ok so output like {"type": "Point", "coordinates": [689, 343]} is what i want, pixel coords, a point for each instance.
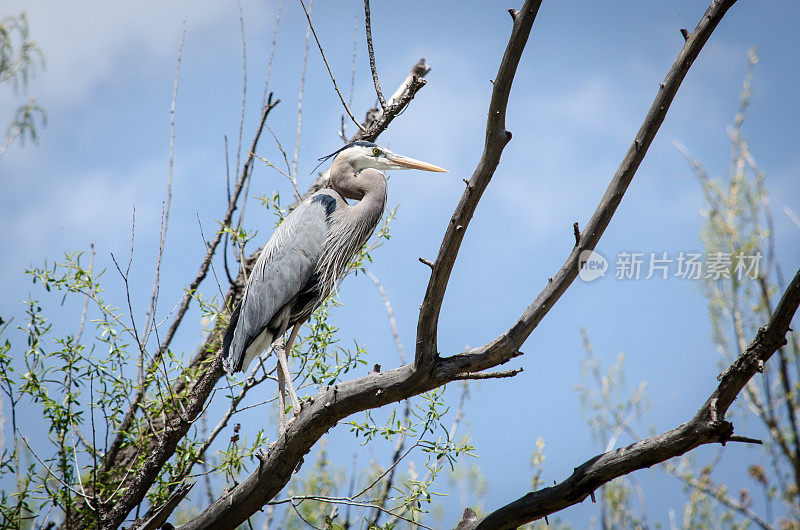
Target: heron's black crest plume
{"type": "Point", "coordinates": [325, 158]}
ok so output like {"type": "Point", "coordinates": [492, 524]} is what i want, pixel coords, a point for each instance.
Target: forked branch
{"type": "Point", "coordinates": [506, 345]}
{"type": "Point", "coordinates": [334, 403]}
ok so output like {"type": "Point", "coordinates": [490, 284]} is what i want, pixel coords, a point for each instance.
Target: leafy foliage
{"type": "Point", "coordinates": [20, 57]}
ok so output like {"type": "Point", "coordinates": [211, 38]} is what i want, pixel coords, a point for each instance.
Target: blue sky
{"type": "Point", "coordinates": [586, 80]}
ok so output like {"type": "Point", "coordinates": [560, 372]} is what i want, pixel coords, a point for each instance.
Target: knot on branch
{"type": "Point", "coordinates": [724, 430]}
{"type": "Point", "coordinates": [470, 518]}
{"type": "Point", "coordinates": [421, 68]}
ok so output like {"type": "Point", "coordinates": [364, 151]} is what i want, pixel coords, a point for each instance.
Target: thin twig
{"type": "Point", "coordinates": [271, 54]}
{"type": "Point", "coordinates": [205, 244]}
{"type": "Point", "coordinates": [50, 471]}
{"type": "Point", "coordinates": [244, 85]}
{"type": "Point", "coordinates": [322, 53]}
{"type": "Point", "coordinates": [389, 315]}
{"type": "Point", "coordinates": [88, 297]}
{"type": "Point", "coordinates": [371, 51]}
{"type": "Point", "coordinates": [276, 168]}
{"type": "Point", "coordinates": [351, 489]}
{"type": "Point", "coordinates": [151, 312]}
{"type": "Point", "coordinates": [300, 96]}
{"type": "Point", "coordinates": [340, 500]}
{"type": "Point", "coordinates": [353, 63]}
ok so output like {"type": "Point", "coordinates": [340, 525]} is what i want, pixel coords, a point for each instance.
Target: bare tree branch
{"type": "Point", "coordinates": [496, 139]}
{"type": "Point", "coordinates": [272, 54]}
{"type": "Point", "coordinates": [706, 427]}
{"type": "Point", "coordinates": [401, 353]}
{"type": "Point", "coordinates": [502, 348]}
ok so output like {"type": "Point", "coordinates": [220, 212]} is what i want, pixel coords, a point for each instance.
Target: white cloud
{"type": "Point", "coordinates": [71, 212]}
{"type": "Point", "coordinates": [86, 42]}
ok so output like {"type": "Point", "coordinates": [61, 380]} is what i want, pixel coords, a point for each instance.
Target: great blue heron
{"type": "Point", "coordinates": [306, 257]}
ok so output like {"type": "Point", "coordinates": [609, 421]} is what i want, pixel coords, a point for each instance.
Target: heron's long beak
{"type": "Point", "coordinates": [403, 162]}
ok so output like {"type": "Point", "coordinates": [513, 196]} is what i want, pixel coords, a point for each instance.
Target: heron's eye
{"type": "Point", "coordinates": [376, 151]}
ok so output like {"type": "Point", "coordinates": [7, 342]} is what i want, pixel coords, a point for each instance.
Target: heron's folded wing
{"type": "Point", "coordinates": [282, 270]}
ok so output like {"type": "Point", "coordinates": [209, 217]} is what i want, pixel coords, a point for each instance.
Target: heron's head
{"type": "Point", "coordinates": [362, 155]}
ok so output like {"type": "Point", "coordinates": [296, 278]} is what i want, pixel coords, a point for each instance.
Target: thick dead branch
{"type": "Point", "coordinates": [496, 139]}
{"type": "Point", "coordinates": [706, 427]}
{"type": "Point", "coordinates": [502, 348]}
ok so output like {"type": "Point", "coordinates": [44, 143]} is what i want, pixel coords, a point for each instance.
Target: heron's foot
{"type": "Point", "coordinates": [296, 405]}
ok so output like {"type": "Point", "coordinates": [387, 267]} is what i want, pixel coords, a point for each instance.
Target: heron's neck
{"type": "Point", "coordinates": [351, 226]}
{"type": "Point", "coordinates": [366, 185]}
{"type": "Point", "coordinates": [370, 208]}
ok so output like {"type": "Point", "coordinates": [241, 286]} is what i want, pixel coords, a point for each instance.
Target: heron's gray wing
{"type": "Point", "coordinates": [282, 270]}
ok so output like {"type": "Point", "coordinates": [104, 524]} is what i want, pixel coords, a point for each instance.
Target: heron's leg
{"type": "Point", "coordinates": [281, 402]}
{"type": "Point", "coordinates": [282, 376]}
{"type": "Point", "coordinates": [287, 348]}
